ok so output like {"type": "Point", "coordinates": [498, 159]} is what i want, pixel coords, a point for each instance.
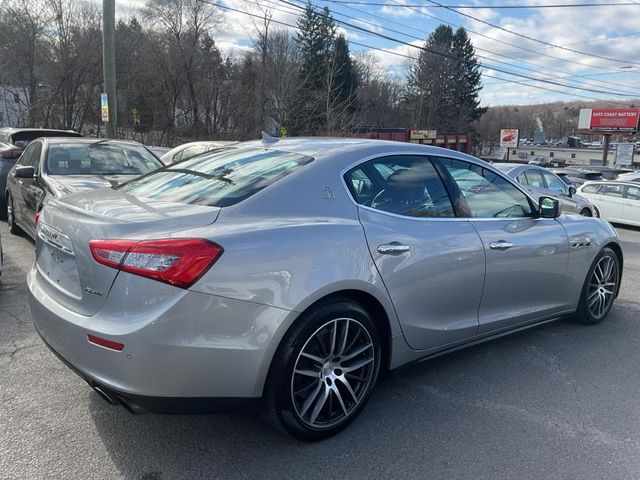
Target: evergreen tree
{"type": "Point", "coordinates": [315, 39]}
{"type": "Point", "coordinates": [346, 76]}
{"type": "Point", "coordinates": [467, 84]}
{"type": "Point", "coordinates": [444, 83]}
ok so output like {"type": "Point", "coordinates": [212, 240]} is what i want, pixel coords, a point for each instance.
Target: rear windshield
{"type": "Point", "coordinates": [218, 179]}
{"type": "Point", "coordinates": [100, 158]}
{"type": "Point", "coordinates": [22, 139]}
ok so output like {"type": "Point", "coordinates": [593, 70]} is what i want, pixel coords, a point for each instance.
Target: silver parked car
{"type": "Point", "coordinates": [541, 181]}
{"type": "Point", "coordinates": [295, 272]}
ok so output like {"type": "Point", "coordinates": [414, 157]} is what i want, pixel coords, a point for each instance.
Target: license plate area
{"type": "Point", "coordinates": [57, 262]}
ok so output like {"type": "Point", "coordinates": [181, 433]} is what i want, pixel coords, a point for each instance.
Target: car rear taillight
{"type": "Point", "coordinates": [178, 262]}
{"type": "Point", "coordinates": [36, 217]}
{"type": "Point", "coordinates": [11, 154]}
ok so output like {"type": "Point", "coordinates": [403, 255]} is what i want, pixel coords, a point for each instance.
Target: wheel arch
{"type": "Point", "coordinates": [381, 312]}
{"type": "Point", "coordinates": [618, 251]}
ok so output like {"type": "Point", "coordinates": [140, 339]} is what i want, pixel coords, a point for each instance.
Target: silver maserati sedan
{"type": "Point", "coordinates": [293, 273]}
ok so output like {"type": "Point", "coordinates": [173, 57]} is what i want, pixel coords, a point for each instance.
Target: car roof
{"type": "Point", "coordinates": [613, 182]}
{"type": "Point", "coordinates": [325, 147]}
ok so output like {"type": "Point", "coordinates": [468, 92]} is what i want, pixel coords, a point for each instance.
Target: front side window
{"type": "Point", "coordinates": [613, 190]}
{"type": "Point", "coordinates": [534, 179]}
{"type": "Point", "coordinates": [27, 155]}
{"type": "Point", "coordinates": [554, 183]}
{"type": "Point", "coordinates": [633, 193]}
{"type": "Point", "coordinates": [404, 185]}
{"type": "Point", "coordinates": [487, 194]}
{"type": "Point", "coordinates": [219, 179]}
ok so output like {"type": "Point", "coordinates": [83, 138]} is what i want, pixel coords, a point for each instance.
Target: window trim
{"type": "Point", "coordinates": [438, 156]}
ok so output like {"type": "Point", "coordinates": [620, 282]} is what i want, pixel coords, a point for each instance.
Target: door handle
{"type": "Point", "coordinates": [393, 249]}
{"type": "Point", "coordinates": [500, 245]}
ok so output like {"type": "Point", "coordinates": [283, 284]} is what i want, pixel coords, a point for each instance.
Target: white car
{"type": "Point", "coordinates": [618, 202]}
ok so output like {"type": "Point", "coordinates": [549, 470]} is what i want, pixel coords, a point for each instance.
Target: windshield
{"type": "Point", "coordinates": [100, 158]}
{"type": "Point", "coordinates": [218, 179]}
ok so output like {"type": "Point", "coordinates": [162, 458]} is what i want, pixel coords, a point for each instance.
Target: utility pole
{"type": "Point", "coordinates": [605, 153]}
{"type": "Point", "coordinates": [109, 63]}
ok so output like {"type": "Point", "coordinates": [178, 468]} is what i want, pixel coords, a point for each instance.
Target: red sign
{"type": "Point", "coordinates": [614, 119]}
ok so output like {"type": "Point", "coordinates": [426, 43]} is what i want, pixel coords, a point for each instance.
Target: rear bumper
{"type": "Point", "coordinates": [163, 405]}
{"type": "Point", "coordinates": [198, 350]}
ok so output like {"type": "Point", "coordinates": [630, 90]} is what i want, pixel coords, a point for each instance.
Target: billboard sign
{"type": "Point", "coordinates": [624, 153]}
{"type": "Point", "coordinates": [609, 120]}
{"type": "Point", "coordinates": [423, 134]}
{"type": "Point", "coordinates": [509, 137]}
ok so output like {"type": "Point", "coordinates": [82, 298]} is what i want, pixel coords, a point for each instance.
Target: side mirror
{"type": "Point", "coordinates": [548, 207]}
{"type": "Point", "coordinates": [572, 190]}
{"type": "Point", "coordinates": [25, 172]}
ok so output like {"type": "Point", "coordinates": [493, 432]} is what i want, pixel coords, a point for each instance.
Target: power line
{"type": "Point", "coordinates": [532, 39]}
{"type": "Point", "coordinates": [456, 59]}
{"type": "Point", "coordinates": [452, 57]}
{"type": "Point", "coordinates": [495, 7]}
{"type": "Point", "coordinates": [425, 34]}
{"type": "Point", "coordinates": [503, 42]}
{"type": "Point", "coordinates": [613, 102]}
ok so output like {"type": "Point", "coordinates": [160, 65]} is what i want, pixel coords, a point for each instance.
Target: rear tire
{"type": "Point", "coordinates": [11, 214]}
{"type": "Point", "coordinates": [585, 212]}
{"type": "Point", "coordinates": [600, 289]}
{"type": "Point", "coordinates": [324, 371]}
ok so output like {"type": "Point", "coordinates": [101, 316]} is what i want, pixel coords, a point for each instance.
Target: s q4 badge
{"type": "Point", "coordinates": [327, 193]}
{"type": "Point", "coordinates": [93, 291]}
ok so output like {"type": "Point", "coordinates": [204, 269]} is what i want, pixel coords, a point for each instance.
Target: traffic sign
{"type": "Point", "coordinates": [104, 101]}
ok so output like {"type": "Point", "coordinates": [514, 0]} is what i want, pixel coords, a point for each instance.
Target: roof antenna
{"type": "Point", "coordinates": [266, 138]}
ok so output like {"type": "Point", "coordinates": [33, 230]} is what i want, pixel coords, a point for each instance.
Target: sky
{"type": "Point", "coordinates": [594, 48]}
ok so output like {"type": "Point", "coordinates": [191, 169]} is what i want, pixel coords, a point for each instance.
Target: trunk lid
{"type": "Point", "coordinates": [66, 225]}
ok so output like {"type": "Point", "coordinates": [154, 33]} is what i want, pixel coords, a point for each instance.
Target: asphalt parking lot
{"type": "Point", "coordinates": [558, 401]}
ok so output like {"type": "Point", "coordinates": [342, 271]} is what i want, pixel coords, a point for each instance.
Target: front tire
{"type": "Point", "coordinates": [585, 212]}
{"type": "Point", "coordinates": [324, 371]}
{"type": "Point", "coordinates": [600, 288]}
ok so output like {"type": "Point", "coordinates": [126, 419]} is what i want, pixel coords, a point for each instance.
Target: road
{"type": "Point", "coordinates": [558, 401]}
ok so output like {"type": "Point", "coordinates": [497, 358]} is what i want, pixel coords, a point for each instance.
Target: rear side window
{"type": "Point", "coordinates": [219, 179]}
{"type": "Point", "coordinates": [404, 185]}
{"type": "Point", "coordinates": [590, 188]}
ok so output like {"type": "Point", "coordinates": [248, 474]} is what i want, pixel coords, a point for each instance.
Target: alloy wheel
{"type": "Point", "coordinates": [602, 287]}
{"type": "Point", "coordinates": [333, 373]}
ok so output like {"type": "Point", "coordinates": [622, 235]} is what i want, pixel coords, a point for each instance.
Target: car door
{"type": "Point", "coordinates": [17, 184]}
{"type": "Point", "coordinates": [526, 256]}
{"type": "Point", "coordinates": [33, 191]}
{"type": "Point", "coordinates": [610, 201]}
{"type": "Point", "coordinates": [557, 188]}
{"type": "Point", "coordinates": [631, 207]}
{"type": "Point", "coordinates": [431, 262]}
